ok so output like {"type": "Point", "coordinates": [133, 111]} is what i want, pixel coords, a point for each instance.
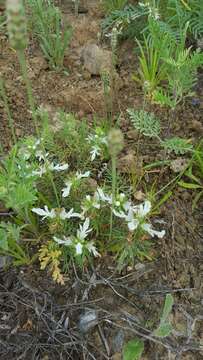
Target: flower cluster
{"type": "Point", "coordinates": [55, 213]}
{"type": "Point", "coordinates": [74, 182]}
{"type": "Point", "coordinates": [79, 243]}
{"type": "Point", "coordinates": [37, 159]}
{"type": "Point", "coordinates": [98, 143]}
{"type": "Point", "coordinates": [153, 11]}
{"type": "Point", "coordinates": [134, 215]}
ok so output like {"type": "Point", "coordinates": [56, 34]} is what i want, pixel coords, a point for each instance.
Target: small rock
{"type": "Point", "coordinates": [179, 164]}
{"type": "Point", "coordinates": [3, 261]}
{"type": "Point", "coordinates": [130, 163]}
{"type": "Point", "coordinates": [18, 132]}
{"type": "Point", "coordinates": [96, 59]}
{"type": "Point", "coordinates": [139, 195]}
{"type": "Point", "coordinates": [196, 126]}
{"type": "Point", "coordinates": [132, 134]}
{"type": "Point", "coordinates": [116, 356]}
{"type": "Point", "coordinates": [118, 341]}
{"type": "Point", "coordinates": [92, 184]}
{"type": "Point", "coordinates": [88, 321]}
{"type": "Point", "coordinates": [38, 63]}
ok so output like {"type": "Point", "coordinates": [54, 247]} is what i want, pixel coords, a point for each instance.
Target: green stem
{"type": "Point", "coordinates": [113, 193]}
{"type": "Point", "coordinates": [22, 61]}
{"type": "Point", "coordinates": [5, 100]}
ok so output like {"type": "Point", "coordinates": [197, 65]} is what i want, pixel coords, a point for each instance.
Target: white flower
{"type": "Point", "coordinates": [152, 232]}
{"type": "Point", "coordinates": [45, 213]}
{"type": "Point", "coordinates": [78, 248]}
{"type": "Point", "coordinates": [67, 215]}
{"type": "Point", "coordinates": [95, 151]}
{"type": "Point", "coordinates": [90, 202]}
{"type": "Point", "coordinates": [79, 175]}
{"type": "Point", "coordinates": [103, 197]}
{"type": "Point", "coordinates": [66, 190]}
{"type": "Point", "coordinates": [41, 171]}
{"type": "Point", "coordinates": [84, 230]}
{"type": "Point", "coordinates": [92, 249]}
{"type": "Point", "coordinates": [58, 167]}
{"type": "Point", "coordinates": [131, 220]}
{"type": "Point", "coordinates": [143, 209]}
{"type": "Point", "coordinates": [40, 155]}
{"type": "Point", "coordinates": [67, 241]}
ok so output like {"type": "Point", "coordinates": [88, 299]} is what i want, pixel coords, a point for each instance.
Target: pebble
{"type": "Point", "coordinates": [88, 320]}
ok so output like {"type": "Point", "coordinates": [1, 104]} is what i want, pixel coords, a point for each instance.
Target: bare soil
{"type": "Point", "coordinates": [40, 320]}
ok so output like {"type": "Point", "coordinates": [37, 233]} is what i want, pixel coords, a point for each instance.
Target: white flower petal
{"type": "Point", "coordinates": [133, 224]}
{"type": "Point", "coordinates": [70, 214]}
{"type": "Point", "coordinates": [79, 175]}
{"type": "Point", "coordinates": [84, 230]}
{"type": "Point", "coordinates": [58, 167]}
{"type": "Point", "coordinates": [66, 190]}
{"type": "Point", "coordinates": [79, 248]}
{"type": "Point", "coordinates": [65, 241]}
{"type": "Point", "coordinates": [44, 212]}
{"type": "Point", "coordinates": [119, 214]}
{"type": "Point", "coordinates": [92, 249]}
{"type": "Point", "coordinates": [144, 208]}
{"type": "Point", "coordinates": [152, 232]}
{"type": "Point", "coordinates": [103, 197]}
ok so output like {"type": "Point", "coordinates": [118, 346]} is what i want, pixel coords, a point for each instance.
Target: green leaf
{"type": "Point", "coordinates": [163, 330]}
{"type": "Point", "coordinates": [3, 240]}
{"type": "Point", "coordinates": [189, 185]}
{"type": "Point", "coordinates": [145, 122]}
{"type": "Point", "coordinates": [163, 200]}
{"type": "Point", "coordinates": [167, 307]}
{"type": "Point", "coordinates": [133, 350]}
{"type": "Point", "coordinates": [178, 145]}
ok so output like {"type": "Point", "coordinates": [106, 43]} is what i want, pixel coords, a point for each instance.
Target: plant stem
{"type": "Point", "coordinates": [22, 61]}
{"type": "Point", "coordinates": [5, 100]}
{"type": "Point", "coordinates": [113, 193]}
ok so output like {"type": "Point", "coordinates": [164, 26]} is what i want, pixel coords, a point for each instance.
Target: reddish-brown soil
{"type": "Point", "coordinates": [39, 320]}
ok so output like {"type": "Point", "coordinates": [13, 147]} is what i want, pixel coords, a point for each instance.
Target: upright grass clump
{"type": "Point", "coordinates": [47, 26]}
{"type": "Point", "coordinates": [17, 31]}
{"type": "Point", "coordinates": [115, 144]}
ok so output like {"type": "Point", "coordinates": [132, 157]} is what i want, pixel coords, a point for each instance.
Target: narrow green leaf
{"type": "Point", "coordinates": [163, 330]}
{"type": "Point", "coordinates": [3, 240]}
{"type": "Point", "coordinates": [189, 185]}
{"type": "Point", "coordinates": [133, 350]}
{"type": "Point", "coordinates": [167, 307]}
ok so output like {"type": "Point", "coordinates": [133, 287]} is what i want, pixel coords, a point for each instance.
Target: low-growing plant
{"type": "Point", "coordinates": [148, 125]}
{"type": "Point", "coordinates": [71, 226]}
{"type": "Point", "coordinates": [194, 175]}
{"type": "Point", "coordinates": [129, 21]}
{"type": "Point", "coordinates": [10, 243]}
{"type": "Point", "coordinates": [134, 349]}
{"type": "Point", "coordinates": [152, 69]}
{"type": "Point", "coordinates": [47, 27]}
{"type": "Point", "coordinates": [112, 5]}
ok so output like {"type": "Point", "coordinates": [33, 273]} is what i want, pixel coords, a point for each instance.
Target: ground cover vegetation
{"type": "Point", "coordinates": [67, 203]}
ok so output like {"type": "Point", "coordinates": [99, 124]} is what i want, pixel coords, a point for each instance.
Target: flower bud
{"type": "Point", "coordinates": [16, 24]}
{"type": "Point", "coordinates": [115, 141]}
{"type": "Point", "coordinates": [114, 38]}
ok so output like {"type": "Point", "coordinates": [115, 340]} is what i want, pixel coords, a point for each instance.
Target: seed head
{"type": "Point", "coordinates": [16, 24]}
{"type": "Point", "coordinates": [115, 141]}
{"type": "Point", "coordinates": [114, 38]}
